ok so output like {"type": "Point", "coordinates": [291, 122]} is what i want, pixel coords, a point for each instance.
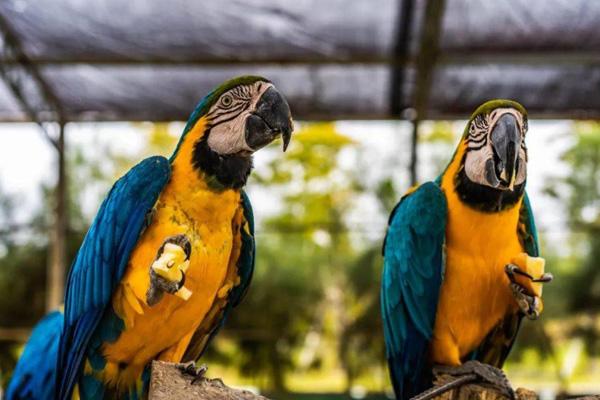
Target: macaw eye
{"type": "Point", "coordinates": [480, 122]}
{"type": "Point", "coordinates": [472, 128]}
{"type": "Point", "coordinates": [226, 101]}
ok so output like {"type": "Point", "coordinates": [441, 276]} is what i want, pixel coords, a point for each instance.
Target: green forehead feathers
{"type": "Point", "coordinates": [491, 105]}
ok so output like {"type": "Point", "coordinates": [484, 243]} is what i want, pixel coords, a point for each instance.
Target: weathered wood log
{"type": "Point", "coordinates": [478, 391]}
{"type": "Point", "coordinates": [167, 382]}
{"type": "Point", "coordinates": [592, 397]}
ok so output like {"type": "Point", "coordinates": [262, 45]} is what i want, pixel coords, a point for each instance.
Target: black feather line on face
{"type": "Point", "coordinates": [228, 171]}
{"type": "Point", "coordinates": [485, 198]}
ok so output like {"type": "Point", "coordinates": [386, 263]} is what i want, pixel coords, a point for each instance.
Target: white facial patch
{"type": "Point", "coordinates": [479, 149]}
{"type": "Point", "coordinates": [495, 115]}
{"type": "Point", "coordinates": [227, 117]}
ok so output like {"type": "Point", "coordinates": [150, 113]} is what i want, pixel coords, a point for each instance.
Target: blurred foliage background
{"type": "Point", "coordinates": [311, 320]}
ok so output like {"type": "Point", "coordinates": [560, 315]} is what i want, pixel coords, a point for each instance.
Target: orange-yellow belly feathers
{"type": "Point", "coordinates": [186, 206]}
{"type": "Point", "coordinates": [475, 292]}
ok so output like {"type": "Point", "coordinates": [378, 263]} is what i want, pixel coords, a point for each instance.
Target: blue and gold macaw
{"type": "Point", "coordinates": [171, 249]}
{"type": "Point", "coordinates": [35, 373]}
{"type": "Point", "coordinates": [460, 256]}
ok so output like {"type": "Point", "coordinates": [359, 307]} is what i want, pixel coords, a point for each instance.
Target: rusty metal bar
{"type": "Point", "coordinates": [57, 261]}
{"type": "Point", "coordinates": [426, 59]}
{"type": "Point", "coordinates": [26, 83]}
{"type": "Point", "coordinates": [40, 104]}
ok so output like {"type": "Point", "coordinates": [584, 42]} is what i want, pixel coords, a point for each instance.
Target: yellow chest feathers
{"type": "Point", "coordinates": [475, 234]}
{"type": "Point", "coordinates": [205, 218]}
{"type": "Point", "coordinates": [475, 293]}
{"type": "Point", "coordinates": [187, 206]}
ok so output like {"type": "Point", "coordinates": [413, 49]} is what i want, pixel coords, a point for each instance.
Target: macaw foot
{"type": "Point", "coordinates": [531, 306]}
{"type": "Point", "coordinates": [529, 303]}
{"type": "Point", "coordinates": [189, 368]}
{"type": "Point", "coordinates": [470, 372]}
{"type": "Point", "coordinates": [512, 270]}
{"type": "Point", "coordinates": [167, 272]}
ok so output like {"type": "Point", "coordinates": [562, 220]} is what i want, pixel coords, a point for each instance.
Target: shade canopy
{"type": "Point", "coordinates": [335, 59]}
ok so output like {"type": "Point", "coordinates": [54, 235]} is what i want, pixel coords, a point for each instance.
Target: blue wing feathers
{"type": "Point", "coordinates": [530, 236]}
{"type": "Point", "coordinates": [35, 373]}
{"type": "Point", "coordinates": [247, 255]}
{"type": "Point", "coordinates": [412, 276]}
{"type": "Point", "coordinates": [102, 260]}
{"type": "Point", "coordinates": [413, 272]}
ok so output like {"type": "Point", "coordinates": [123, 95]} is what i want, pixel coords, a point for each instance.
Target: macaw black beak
{"type": "Point", "coordinates": [506, 141]}
{"type": "Point", "coordinates": [271, 118]}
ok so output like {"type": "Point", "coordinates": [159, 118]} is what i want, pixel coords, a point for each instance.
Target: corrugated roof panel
{"type": "Point", "coordinates": [545, 90]}
{"type": "Point", "coordinates": [151, 92]}
{"type": "Point", "coordinates": [154, 59]}
{"type": "Point", "coordinates": [203, 31]}
{"type": "Point", "coordinates": [520, 26]}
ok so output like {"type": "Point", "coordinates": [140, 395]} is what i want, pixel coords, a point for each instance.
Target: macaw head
{"type": "Point", "coordinates": [233, 121]}
{"type": "Point", "coordinates": [493, 156]}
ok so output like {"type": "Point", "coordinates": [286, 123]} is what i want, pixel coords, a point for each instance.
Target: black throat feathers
{"type": "Point", "coordinates": [485, 198]}
{"type": "Point", "coordinates": [229, 171]}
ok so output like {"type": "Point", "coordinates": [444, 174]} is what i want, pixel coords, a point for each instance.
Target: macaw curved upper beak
{"type": "Point", "coordinates": [506, 142]}
{"type": "Point", "coordinates": [271, 118]}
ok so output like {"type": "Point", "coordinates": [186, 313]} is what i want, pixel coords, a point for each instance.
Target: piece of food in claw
{"type": "Point", "coordinates": [534, 266]}
{"type": "Point", "coordinates": [183, 293]}
{"type": "Point", "coordinates": [172, 265]}
{"type": "Point", "coordinates": [539, 306]}
{"type": "Point", "coordinates": [172, 256]}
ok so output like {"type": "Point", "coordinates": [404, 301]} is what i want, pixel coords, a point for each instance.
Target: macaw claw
{"type": "Point", "coordinates": [512, 269]}
{"type": "Point", "coordinates": [531, 306]}
{"type": "Point", "coordinates": [189, 368]}
{"type": "Point", "coordinates": [167, 272]}
{"type": "Point", "coordinates": [529, 303]}
{"type": "Point", "coordinates": [469, 372]}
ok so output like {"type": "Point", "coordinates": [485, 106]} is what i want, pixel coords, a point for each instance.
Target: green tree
{"type": "Point", "coordinates": [312, 304]}
{"type": "Point", "coordinates": [580, 192]}
{"type": "Point", "coordinates": [301, 249]}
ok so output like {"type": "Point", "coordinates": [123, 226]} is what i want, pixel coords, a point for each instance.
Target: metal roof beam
{"type": "Point", "coordinates": [426, 60]}
{"type": "Point", "coordinates": [33, 93]}
{"type": "Point", "coordinates": [401, 51]}
{"type": "Point", "coordinates": [26, 83]}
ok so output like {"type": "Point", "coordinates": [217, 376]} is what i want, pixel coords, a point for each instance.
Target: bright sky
{"type": "Point", "coordinates": [26, 160]}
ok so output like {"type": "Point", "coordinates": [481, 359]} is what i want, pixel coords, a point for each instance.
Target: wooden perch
{"type": "Point", "coordinates": [478, 391]}
{"type": "Point", "coordinates": [167, 382]}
